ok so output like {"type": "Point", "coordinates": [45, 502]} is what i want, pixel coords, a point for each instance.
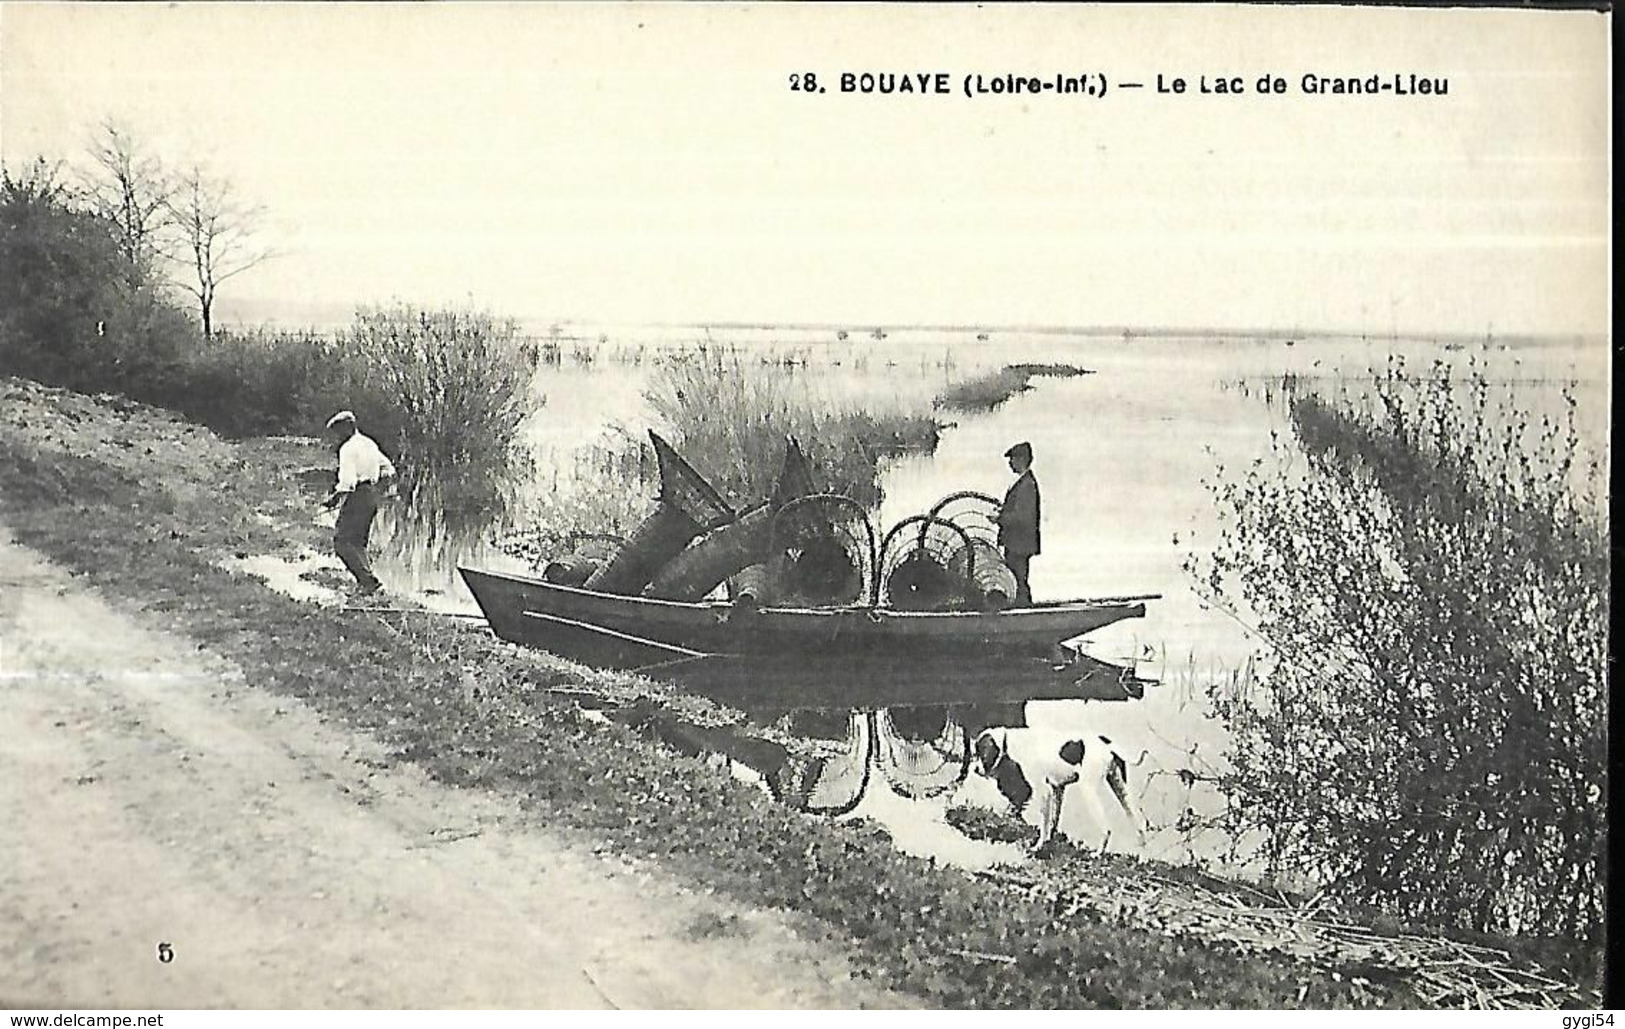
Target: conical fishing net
{"type": "Point", "coordinates": [823, 552]}
{"type": "Point", "coordinates": [975, 513]}
{"type": "Point", "coordinates": [916, 567]}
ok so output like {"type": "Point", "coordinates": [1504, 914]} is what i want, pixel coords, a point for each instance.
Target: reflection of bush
{"type": "Point", "coordinates": [1434, 583]}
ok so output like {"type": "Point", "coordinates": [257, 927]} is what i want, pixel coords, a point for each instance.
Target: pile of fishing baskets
{"type": "Point", "coordinates": [798, 548]}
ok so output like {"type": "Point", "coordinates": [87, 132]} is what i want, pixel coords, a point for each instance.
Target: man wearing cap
{"type": "Point", "coordinates": [362, 469]}
{"type": "Point", "coordinates": [1018, 520]}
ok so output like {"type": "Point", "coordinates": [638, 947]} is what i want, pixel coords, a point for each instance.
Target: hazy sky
{"type": "Point", "coordinates": [651, 163]}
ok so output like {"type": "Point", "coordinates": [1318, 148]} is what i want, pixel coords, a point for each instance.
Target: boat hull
{"type": "Point", "coordinates": [608, 630]}
{"type": "Point", "coordinates": [767, 687]}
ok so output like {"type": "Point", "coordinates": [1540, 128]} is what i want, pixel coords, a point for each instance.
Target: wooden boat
{"type": "Point", "coordinates": [611, 630]}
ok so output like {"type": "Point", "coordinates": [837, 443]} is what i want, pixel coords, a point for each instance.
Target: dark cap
{"type": "Point", "coordinates": [1021, 451]}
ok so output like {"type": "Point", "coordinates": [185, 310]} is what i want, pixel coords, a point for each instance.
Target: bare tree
{"type": "Point", "coordinates": [215, 233]}
{"type": "Point", "coordinates": [132, 190]}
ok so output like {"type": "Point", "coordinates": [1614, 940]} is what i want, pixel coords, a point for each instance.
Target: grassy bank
{"type": "Point", "coordinates": [147, 523]}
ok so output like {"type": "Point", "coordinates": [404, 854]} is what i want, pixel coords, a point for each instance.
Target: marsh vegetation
{"type": "Point", "coordinates": [988, 390]}
{"type": "Point", "coordinates": [1426, 559]}
{"type": "Point", "coordinates": [732, 413]}
{"type": "Point", "coordinates": [728, 410]}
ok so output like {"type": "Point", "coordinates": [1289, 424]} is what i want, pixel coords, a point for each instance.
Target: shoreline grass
{"type": "Point", "coordinates": [469, 709]}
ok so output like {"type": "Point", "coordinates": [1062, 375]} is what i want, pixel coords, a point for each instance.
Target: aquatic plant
{"type": "Point", "coordinates": [1428, 563]}
{"type": "Point", "coordinates": [730, 415]}
{"type": "Point", "coordinates": [603, 487]}
{"type": "Point", "coordinates": [987, 391]}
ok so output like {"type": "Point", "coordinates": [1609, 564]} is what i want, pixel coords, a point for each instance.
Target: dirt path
{"type": "Point", "coordinates": [149, 795]}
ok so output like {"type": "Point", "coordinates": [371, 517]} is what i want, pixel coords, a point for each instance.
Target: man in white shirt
{"type": "Point", "coordinates": [362, 469]}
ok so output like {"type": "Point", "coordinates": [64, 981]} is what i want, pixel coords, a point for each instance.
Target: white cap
{"type": "Point", "coordinates": [342, 416]}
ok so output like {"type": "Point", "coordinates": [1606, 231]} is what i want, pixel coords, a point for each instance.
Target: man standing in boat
{"type": "Point", "coordinates": [1018, 520]}
{"type": "Point", "coordinates": [362, 471]}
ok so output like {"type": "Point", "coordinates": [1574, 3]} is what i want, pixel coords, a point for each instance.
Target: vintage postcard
{"type": "Point", "coordinates": [790, 506]}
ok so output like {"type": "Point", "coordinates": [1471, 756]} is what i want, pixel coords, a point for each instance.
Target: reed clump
{"type": "Point", "coordinates": [1428, 563]}
{"type": "Point", "coordinates": [603, 488]}
{"type": "Point", "coordinates": [730, 415]}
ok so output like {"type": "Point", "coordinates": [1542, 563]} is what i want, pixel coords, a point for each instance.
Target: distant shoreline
{"type": "Point", "coordinates": [573, 330]}
{"type": "Point", "coordinates": [1133, 332]}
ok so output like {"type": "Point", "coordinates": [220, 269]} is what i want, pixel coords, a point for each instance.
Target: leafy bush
{"type": "Point", "coordinates": [447, 391]}
{"type": "Point", "coordinates": [731, 416]}
{"type": "Point", "coordinates": [73, 311]}
{"type": "Point", "coordinates": [1429, 566]}
{"type": "Point", "coordinates": [249, 383]}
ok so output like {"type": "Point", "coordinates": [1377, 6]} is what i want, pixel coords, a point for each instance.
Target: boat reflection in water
{"type": "Point", "coordinates": [895, 743]}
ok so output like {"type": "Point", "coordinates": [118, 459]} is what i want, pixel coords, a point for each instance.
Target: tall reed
{"type": "Point", "coordinates": [730, 415]}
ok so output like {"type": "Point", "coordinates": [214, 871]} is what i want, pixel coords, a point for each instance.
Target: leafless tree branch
{"type": "Point", "coordinates": [132, 190]}
{"type": "Point", "coordinates": [216, 234]}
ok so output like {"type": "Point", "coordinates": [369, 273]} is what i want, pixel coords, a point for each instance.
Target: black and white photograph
{"type": "Point", "coordinates": [644, 506]}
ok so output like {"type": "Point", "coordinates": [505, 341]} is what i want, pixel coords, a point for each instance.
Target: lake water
{"type": "Point", "coordinates": [1121, 456]}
